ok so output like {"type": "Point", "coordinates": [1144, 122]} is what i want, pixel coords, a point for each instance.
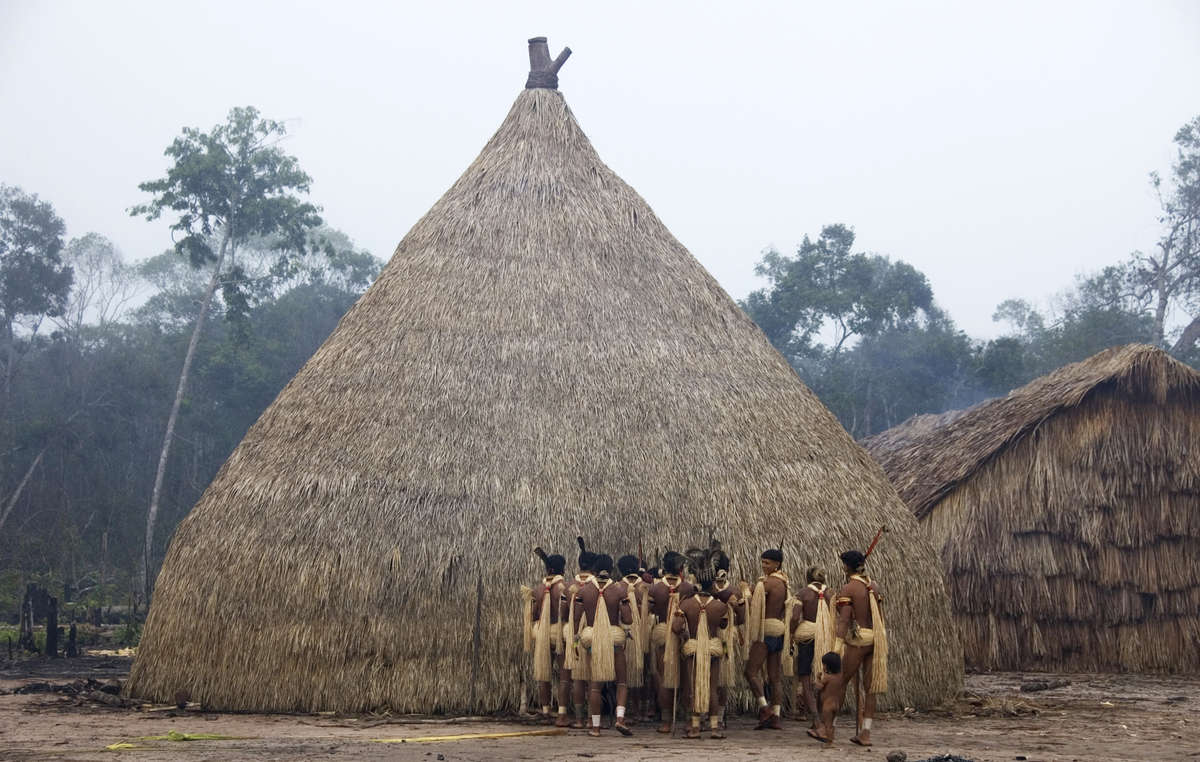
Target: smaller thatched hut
{"type": "Point", "coordinates": [1067, 515]}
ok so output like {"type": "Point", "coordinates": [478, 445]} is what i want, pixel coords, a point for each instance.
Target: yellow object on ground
{"type": "Point", "coordinates": [470, 736]}
{"type": "Point", "coordinates": [175, 735]}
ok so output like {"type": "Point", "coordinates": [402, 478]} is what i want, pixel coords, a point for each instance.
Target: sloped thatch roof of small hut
{"type": "Point", "coordinates": [908, 431]}
{"type": "Point", "coordinates": [1067, 514]}
{"type": "Point", "coordinates": [540, 358]}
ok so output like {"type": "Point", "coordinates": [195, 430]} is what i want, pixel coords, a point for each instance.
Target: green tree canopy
{"type": "Point", "coordinates": [827, 287]}
{"type": "Point", "coordinates": [33, 278]}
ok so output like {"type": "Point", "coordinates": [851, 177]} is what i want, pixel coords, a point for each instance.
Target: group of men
{"type": "Point", "coordinates": [672, 635]}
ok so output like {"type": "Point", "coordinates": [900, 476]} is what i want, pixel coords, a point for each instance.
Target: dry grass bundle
{"type": "Point", "coordinates": [1068, 516]}
{"type": "Point", "coordinates": [540, 358]}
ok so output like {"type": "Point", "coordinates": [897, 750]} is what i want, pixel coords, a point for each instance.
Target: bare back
{"type": "Point", "coordinates": [726, 596]}
{"type": "Point", "coordinates": [860, 602]}
{"type": "Point", "coordinates": [777, 594]}
{"type": "Point", "coordinates": [556, 592]}
{"type": "Point", "coordinates": [660, 594]}
{"type": "Point", "coordinates": [702, 605]}
{"type": "Point", "coordinates": [614, 596]}
{"type": "Point", "coordinates": [808, 601]}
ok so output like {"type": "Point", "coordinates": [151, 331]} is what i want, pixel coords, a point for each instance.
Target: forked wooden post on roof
{"type": "Point", "coordinates": [542, 71]}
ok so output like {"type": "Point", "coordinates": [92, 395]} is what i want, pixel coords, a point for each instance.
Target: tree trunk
{"type": "Point", "coordinates": [52, 629]}
{"type": "Point", "coordinates": [1160, 308]}
{"type": "Point", "coordinates": [16, 495]}
{"type": "Point", "coordinates": [12, 357]}
{"type": "Point", "coordinates": [152, 513]}
{"type": "Point", "coordinates": [1189, 337]}
{"type": "Point", "coordinates": [25, 639]}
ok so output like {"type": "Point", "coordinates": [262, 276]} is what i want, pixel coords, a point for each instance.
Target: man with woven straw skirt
{"type": "Point", "coordinates": [665, 595]}
{"type": "Point", "coordinates": [769, 637]}
{"type": "Point", "coordinates": [699, 621]}
{"type": "Point", "coordinates": [543, 631]}
{"type": "Point", "coordinates": [602, 607]}
{"type": "Point", "coordinates": [726, 592]}
{"type": "Point", "coordinates": [812, 637]}
{"type": "Point", "coordinates": [861, 639]}
{"type": "Point", "coordinates": [638, 633]}
{"type": "Point", "coordinates": [573, 677]}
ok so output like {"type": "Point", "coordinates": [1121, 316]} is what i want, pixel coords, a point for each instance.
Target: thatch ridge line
{"type": "Point", "coordinates": [972, 437]}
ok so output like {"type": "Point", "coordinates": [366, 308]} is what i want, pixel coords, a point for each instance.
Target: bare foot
{"type": "Point", "coordinates": [622, 728]}
{"type": "Point", "coordinates": [692, 733]}
{"type": "Point", "coordinates": [764, 718]}
{"type": "Point", "coordinates": [862, 739]}
{"type": "Point", "coordinates": [816, 735]}
{"type": "Point", "coordinates": [594, 732]}
{"type": "Point", "coordinates": [664, 728]}
{"type": "Point", "coordinates": [562, 721]}
{"type": "Point", "coordinates": [717, 733]}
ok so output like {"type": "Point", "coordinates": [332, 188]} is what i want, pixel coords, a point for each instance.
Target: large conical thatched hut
{"type": "Point", "coordinates": [1067, 515]}
{"type": "Point", "coordinates": [539, 358]}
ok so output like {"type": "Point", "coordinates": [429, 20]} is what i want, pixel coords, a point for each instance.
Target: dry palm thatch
{"type": "Point", "coordinates": [540, 358]}
{"type": "Point", "coordinates": [905, 433]}
{"type": "Point", "coordinates": [1068, 515]}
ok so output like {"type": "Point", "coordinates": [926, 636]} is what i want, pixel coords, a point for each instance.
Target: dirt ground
{"type": "Point", "coordinates": [1094, 717]}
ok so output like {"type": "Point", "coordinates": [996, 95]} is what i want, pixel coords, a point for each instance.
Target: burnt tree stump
{"type": "Point", "coordinates": [52, 628]}
{"type": "Point", "coordinates": [25, 637]}
{"type": "Point", "coordinates": [542, 71]}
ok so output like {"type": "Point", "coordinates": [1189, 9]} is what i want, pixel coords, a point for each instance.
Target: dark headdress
{"type": "Point", "coordinates": [854, 560]}
{"type": "Point", "coordinates": [673, 562]}
{"type": "Point", "coordinates": [628, 565]}
{"type": "Point", "coordinates": [602, 564]}
{"type": "Point", "coordinates": [555, 564]}
{"type": "Point", "coordinates": [587, 559]}
{"type": "Point", "coordinates": [703, 564]}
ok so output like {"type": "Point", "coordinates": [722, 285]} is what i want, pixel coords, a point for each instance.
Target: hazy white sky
{"type": "Point", "coordinates": [998, 147]}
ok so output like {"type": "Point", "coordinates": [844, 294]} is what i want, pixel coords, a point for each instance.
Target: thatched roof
{"type": "Point", "coordinates": [908, 431]}
{"type": "Point", "coordinates": [926, 457]}
{"type": "Point", "coordinates": [540, 358]}
{"type": "Point", "coordinates": [1067, 515]}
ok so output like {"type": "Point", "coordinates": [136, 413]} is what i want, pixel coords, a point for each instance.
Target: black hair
{"type": "Point", "coordinates": [587, 559]}
{"type": "Point", "coordinates": [773, 554]}
{"type": "Point", "coordinates": [603, 564]}
{"type": "Point", "coordinates": [832, 662]}
{"type": "Point", "coordinates": [554, 564]}
{"type": "Point", "coordinates": [854, 560]}
{"type": "Point", "coordinates": [673, 562]}
{"type": "Point", "coordinates": [628, 565]}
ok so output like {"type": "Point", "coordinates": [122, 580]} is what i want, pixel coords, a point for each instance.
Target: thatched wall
{"type": "Point", "coordinates": [1068, 516]}
{"type": "Point", "coordinates": [540, 358]}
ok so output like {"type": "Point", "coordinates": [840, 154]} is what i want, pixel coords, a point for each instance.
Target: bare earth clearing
{"type": "Point", "coordinates": [1095, 717]}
